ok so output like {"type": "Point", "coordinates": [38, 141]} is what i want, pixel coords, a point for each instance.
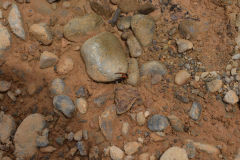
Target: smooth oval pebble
{"type": "Point", "coordinates": [157, 123]}
{"type": "Point", "coordinates": [64, 104]}
{"type": "Point", "coordinates": [174, 153]}
{"type": "Point", "coordinates": [195, 111]}
{"type": "Point", "coordinates": [104, 57]}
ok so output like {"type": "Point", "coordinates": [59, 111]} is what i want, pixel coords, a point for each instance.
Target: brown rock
{"type": "Point", "coordinates": [101, 7]}
{"type": "Point", "coordinates": [182, 77]}
{"type": "Point", "coordinates": [128, 5]}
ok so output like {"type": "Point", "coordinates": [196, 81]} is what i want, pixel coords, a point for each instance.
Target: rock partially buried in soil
{"type": "Point", "coordinates": [143, 27]}
{"type": "Point", "coordinates": [15, 22]}
{"type": "Point", "coordinates": [106, 120]}
{"type": "Point", "coordinates": [174, 153]}
{"type": "Point", "coordinates": [116, 153]}
{"type": "Point", "coordinates": [184, 45]}
{"type": "Point", "coordinates": [81, 26]}
{"type": "Point", "coordinates": [81, 105]}
{"type": "Point", "coordinates": [231, 97]}
{"type": "Point", "coordinates": [176, 123]}
{"type": "Point", "coordinates": [65, 65]}
{"type": "Point", "coordinates": [210, 149]}
{"type": "Point", "coordinates": [47, 59]}
{"type": "Point", "coordinates": [26, 135]}
{"type": "Point", "coordinates": [7, 126]}
{"type": "Point", "coordinates": [5, 38]}
{"type": "Point", "coordinates": [64, 104]}
{"type": "Point", "coordinates": [42, 33]}
{"type": "Point", "coordinates": [214, 85]}
{"type": "Point", "coordinates": [4, 86]}
{"type": "Point", "coordinates": [133, 72]}
{"type": "Point", "coordinates": [134, 46]}
{"type": "Point", "coordinates": [188, 28]}
{"type": "Point", "coordinates": [128, 5]}
{"type": "Point", "coordinates": [125, 98]}
{"type": "Point", "coordinates": [101, 7]}
{"type": "Point", "coordinates": [104, 57]}
{"type": "Point", "coordinates": [124, 23]}
{"type": "Point", "coordinates": [157, 123]}
{"type": "Point", "coordinates": [57, 87]}
{"type": "Point", "coordinates": [131, 147]}
{"type": "Point", "coordinates": [182, 77]}
{"type": "Point", "coordinates": [153, 68]}
{"type": "Point", "coordinates": [195, 111]}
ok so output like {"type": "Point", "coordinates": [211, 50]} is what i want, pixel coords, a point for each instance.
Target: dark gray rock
{"type": "Point", "coordinates": [191, 150]}
{"type": "Point", "coordinates": [64, 104]}
{"type": "Point", "coordinates": [195, 111]}
{"type": "Point", "coordinates": [157, 123]}
{"type": "Point", "coordinates": [82, 92]}
{"type": "Point", "coordinates": [82, 148]}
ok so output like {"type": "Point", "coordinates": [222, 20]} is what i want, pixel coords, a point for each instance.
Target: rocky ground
{"type": "Point", "coordinates": [119, 79]}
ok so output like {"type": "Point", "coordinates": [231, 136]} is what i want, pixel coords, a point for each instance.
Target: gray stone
{"type": "Point", "coordinates": [188, 28]}
{"type": "Point", "coordinates": [42, 33]}
{"type": "Point", "coordinates": [5, 38]}
{"type": "Point", "coordinates": [231, 97]}
{"type": "Point", "coordinates": [133, 72]}
{"type": "Point", "coordinates": [82, 92]}
{"type": "Point", "coordinates": [7, 126]}
{"type": "Point", "coordinates": [236, 56]}
{"type": "Point", "coordinates": [124, 23]}
{"type": "Point", "coordinates": [184, 45]}
{"type": "Point", "coordinates": [195, 111]}
{"type": "Point", "coordinates": [47, 59]}
{"type": "Point", "coordinates": [191, 150]}
{"type": "Point", "coordinates": [104, 57]}
{"type": "Point", "coordinates": [26, 135]}
{"type": "Point", "coordinates": [60, 140]}
{"type": "Point", "coordinates": [57, 87]}
{"type": "Point", "coordinates": [4, 86]}
{"type": "Point", "coordinates": [153, 68]}
{"type": "Point", "coordinates": [81, 26]}
{"type": "Point", "coordinates": [176, 123]}
{"type": "Point", "coordinates": [15, 22]}
{"type": "Point", "coordinates": [143, 27]}
{"type": "Point", "coordinates": [82, 148]}
{"type": "Point", "coordinates": [42, 7]}
{"type": "Point", "coordinates": [42, 141]}
{"type": "Point", "coordinates": [134, 46]}
{"type": "Point", "coordinates": [157, 123]}
{"type": "Point", "coordinates": [64, 104]}
{"type": "Point", "coordinates": [174, 153]}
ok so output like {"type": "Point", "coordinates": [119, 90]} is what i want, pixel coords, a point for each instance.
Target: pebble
{"type": "Point", "coordinates": [133, 72]}
{"type": "Point", "coordinates": [78, 135]}
{"type": "Point", "coordinates": [57, 87]}
{"type": "Point", "coordinates": [85, 134]}
{"type": "Point", "coordinates": [124, 23]}
{"type": "Point", "coordinates": [70, 136]}
{"type": "Point", "coordinates": [231, 97]}
{"type": "Point", "coordinates": [26, 135]}
{"type": "Point", "coordinates": [195, 111]}
{"type": "Point", "coordinates": [81, 26]}
{"type": "Point", "coordinates": [141, 118]}
{"type": "Point", "coordinates": [41, 32]}
{"type": "Point", "coordinates": [116, 153]}
{"type": "Point", "coordinates": [132, 147]}
{"type": "Point", "coordinates": [47, 59]}
{"type": "Point", "coordinates": [65, 65]}
{"type": "Point", "coordinates": [176, 123]}
{"type": "Point", "coordinates": [184, 45]}
{"type": "Point", "coordinates": [48, 149]}
{"type": "Point", "coordinates": [128, 5]}
{"type": "Point", "coordinates": [134, 46]}
{"type": "Point", "coordinates": [42, 7]}
{"type": "Point", "coordinates": [82, 92]}
{"type": "Point", "coordinates": [42, 141]}
{"type": "Point", "coordinates": [101, 8]}
{"type": "Point", "coordinates": [191, 150]}
{"type": "Point", "coordinates": [4, 86]}
{"type": "Point", "coordinates": [174, 153]}
{"type": "Point", "coordinates": [153, 68]}
{"type": "Point", "coordinates": [104, 56]}
{"type": "Point", "coordinates": [210, 149]}
{"type": "Point", "coordinates": [155, 137]}
{"type": "Point", "coordinates": [125, 128]}
{"type": "Point", "coordinates": [81, 146]}
{"type": "Point", "coordinates": [105, 122]}
{"type": "Point", "coordinates": [81, 105]}
{"type": "Point", "coordinates": [157, 123]}
{"type": "Point", "coordinates": [143, 27]}
{"type": "Point", "coordinates": [64, 104]}
{"type": "Point", "coordinates": [214, 85]}
{"type": "Point", "coordinates": [182, 77]}
{"type": "Point", "coordinates": [60, 140]}
{"type": "Point", "coordinates": [5, 38]}
{"type": "Point", "coordinates": [12, 96]}
{"type": "Point", "coordinates": [7, 126]}
{"type": "Point", "coordinates": [144, 156]}
{"type": "Point", "coordinates": [236, 56]}
{"type": "Point", "coordinates": [15, 22]}
{"type": "Point", "coordinates": [188, 28]}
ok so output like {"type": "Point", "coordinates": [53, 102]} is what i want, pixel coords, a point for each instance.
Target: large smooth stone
{"type": "Point", "coordinates": [26, 136]}
{"type": "Point", "coordinates": [81, 26]}
{"type": "Point", "coordinates": [104, 57]}
{"type": "Point", "coordinates": [15, 22]}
